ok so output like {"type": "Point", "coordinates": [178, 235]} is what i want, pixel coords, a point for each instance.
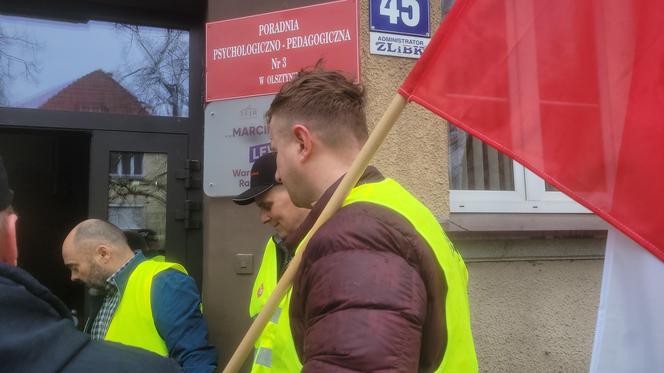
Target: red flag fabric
{"type": "Point", "coordinates": [573, 90]}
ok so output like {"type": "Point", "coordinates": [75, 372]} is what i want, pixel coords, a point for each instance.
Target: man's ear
{"type": "Point", "coordinates": [304, 139]}
{"type": "Point", "coordinates": [103, 254]}
{"type": "Point", "coordinates": [9, 250]}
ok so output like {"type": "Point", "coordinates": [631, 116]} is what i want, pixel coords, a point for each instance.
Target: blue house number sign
{"type": "Point", "coordinates": [409, 17]}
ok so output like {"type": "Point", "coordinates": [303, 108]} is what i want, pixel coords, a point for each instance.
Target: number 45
{"type": "Point", "coordinates": [410, 18]}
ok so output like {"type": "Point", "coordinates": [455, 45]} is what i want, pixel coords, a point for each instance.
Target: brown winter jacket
{"type": "Point", "coordinates": [369, 295]}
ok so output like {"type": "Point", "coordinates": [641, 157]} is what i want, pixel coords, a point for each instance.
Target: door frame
{"type": "Point", "coordinates": [151, 13]}
{"type": "Point", "coordinates": [175, 147]}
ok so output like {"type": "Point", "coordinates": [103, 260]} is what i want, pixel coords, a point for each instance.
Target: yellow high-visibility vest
{"type": "Point", "coordinates": [459, 356]}
{"type": "Point", "coordinates": [133, 323]}
{"type": "Point", "coordinates": [276, 342]}
{"type": "Point", "coordinates": [275, 350]}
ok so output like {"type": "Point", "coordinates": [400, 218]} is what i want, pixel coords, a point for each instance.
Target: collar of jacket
{"type": "Point", "coordinates": [371, 175]}
{"type": "Point", "coordinates": [122, 277]}
{"type": "Point", "coordinates": [24, 279]}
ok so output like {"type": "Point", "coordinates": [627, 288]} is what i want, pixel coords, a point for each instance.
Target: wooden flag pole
{"type": "Point", "coordinates": [347, 183]}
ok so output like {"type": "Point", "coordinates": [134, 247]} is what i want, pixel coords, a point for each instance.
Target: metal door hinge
{"type": "Point", "coordinates": [190, 174]}
{"type": "Point", "coordinates": [187, 214]}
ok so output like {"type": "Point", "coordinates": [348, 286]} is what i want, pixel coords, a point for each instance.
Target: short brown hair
{"type": "Point", "coordinates": [332, 105]}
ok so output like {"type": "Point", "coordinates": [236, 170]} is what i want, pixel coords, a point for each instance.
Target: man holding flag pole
{"type": "Point", "coordinates": [380, 287]}
{"type": "Point", "coordinates": [572, 90]}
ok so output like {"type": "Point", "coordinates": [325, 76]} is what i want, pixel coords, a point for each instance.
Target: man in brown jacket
{"type": "Point", "coordinates": [380, 287]}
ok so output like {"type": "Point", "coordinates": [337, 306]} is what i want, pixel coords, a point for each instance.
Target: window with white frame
{"type": "Point", "coordinates": [484, 180]}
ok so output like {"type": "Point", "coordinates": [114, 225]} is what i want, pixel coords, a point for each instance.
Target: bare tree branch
{"type": "Point", "coordinates": [161, 78]}
{"type": "Point", "coordinates": [18, 56]}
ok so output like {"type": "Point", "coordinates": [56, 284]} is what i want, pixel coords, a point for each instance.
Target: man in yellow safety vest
{"type": "Point", "coordinates": [38, 332]}
{"type": "Point", "coordinates": [275, 351]}
{"type": "Point", "coordinates": [380, 287]}
{"type": "Point", "coordinates": [150, 304]}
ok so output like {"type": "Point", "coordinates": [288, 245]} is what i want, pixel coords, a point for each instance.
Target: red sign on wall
{"type": "Point", "coordinates": [256, 55]}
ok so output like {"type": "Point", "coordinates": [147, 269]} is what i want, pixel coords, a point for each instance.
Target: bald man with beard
{"type": "Point", "coordinates": [148, 303]}
{"type": "Point", "coordinates": [38, 333]}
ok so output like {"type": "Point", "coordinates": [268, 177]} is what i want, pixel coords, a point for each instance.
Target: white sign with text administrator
{"type": "Point", "coordinates": [397, 45]}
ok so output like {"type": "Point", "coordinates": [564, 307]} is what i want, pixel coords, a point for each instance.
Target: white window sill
{"type": "Point", "coordinates": [486, 222]}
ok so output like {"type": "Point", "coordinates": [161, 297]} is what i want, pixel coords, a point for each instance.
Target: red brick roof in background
{"type": "Point", "coordinates": [96, 92]}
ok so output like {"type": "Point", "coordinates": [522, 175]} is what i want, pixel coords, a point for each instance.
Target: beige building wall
{"type": "Point", "coordinates": [229, 229]}
{"type": "Point", "coordinates": [415, 152]}
{"type": "Point", "coordinates": [528, 316]}
{"type": "Point", "coordinates": [534, 316]}
{"type": "Point", "coordinates": [533, 301]}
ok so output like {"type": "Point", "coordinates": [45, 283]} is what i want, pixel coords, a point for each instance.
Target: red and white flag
{"type": "Point", "coordinates": [574, 91]}
{"type": "Point", "coordinates": [630, 328]}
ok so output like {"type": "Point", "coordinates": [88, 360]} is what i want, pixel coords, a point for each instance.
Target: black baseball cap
{"type": "Point", "coordinates": [6, 194]}
{"type": "Point", "coordinates": [262, 179]}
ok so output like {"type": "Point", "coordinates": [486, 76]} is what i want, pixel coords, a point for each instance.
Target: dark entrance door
{"type": "Point", "coordinates": [136, 184]}
{"type": "Point", "coordinates": [48, 171]}
{"type": "Point", "coordinates": [87, 154]}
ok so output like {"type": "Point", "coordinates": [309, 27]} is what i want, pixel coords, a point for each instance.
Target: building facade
{"type": "Point", "coordinates": [92, 125]}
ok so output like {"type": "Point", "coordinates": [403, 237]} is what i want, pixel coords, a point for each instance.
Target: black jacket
{"type": "Point", "coordinates": [37, 335]}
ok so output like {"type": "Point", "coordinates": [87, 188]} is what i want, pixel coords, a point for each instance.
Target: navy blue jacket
{"type": "Point", "coordinates": [37, 335]}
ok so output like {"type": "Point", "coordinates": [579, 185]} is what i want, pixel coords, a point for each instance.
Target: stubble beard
{"type": "Point", "coordinates": [97, 277]}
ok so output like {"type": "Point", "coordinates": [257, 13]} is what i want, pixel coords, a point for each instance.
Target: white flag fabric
{"type": "Point", "coordinates": [629, 336]}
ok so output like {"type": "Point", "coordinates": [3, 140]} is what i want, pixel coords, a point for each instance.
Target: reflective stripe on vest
{"type": "Point", "coordinates": [460, 353]}
{"type": "Point", "coordinates": [133, 323]}
{"type": "Point", "coordinates": [275, 350]}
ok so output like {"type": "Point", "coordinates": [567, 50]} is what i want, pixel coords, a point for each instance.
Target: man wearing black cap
{"type": "Point", "coordinates": [38, 334]}
{"type": "Point", "coordinates": [275, 350]}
